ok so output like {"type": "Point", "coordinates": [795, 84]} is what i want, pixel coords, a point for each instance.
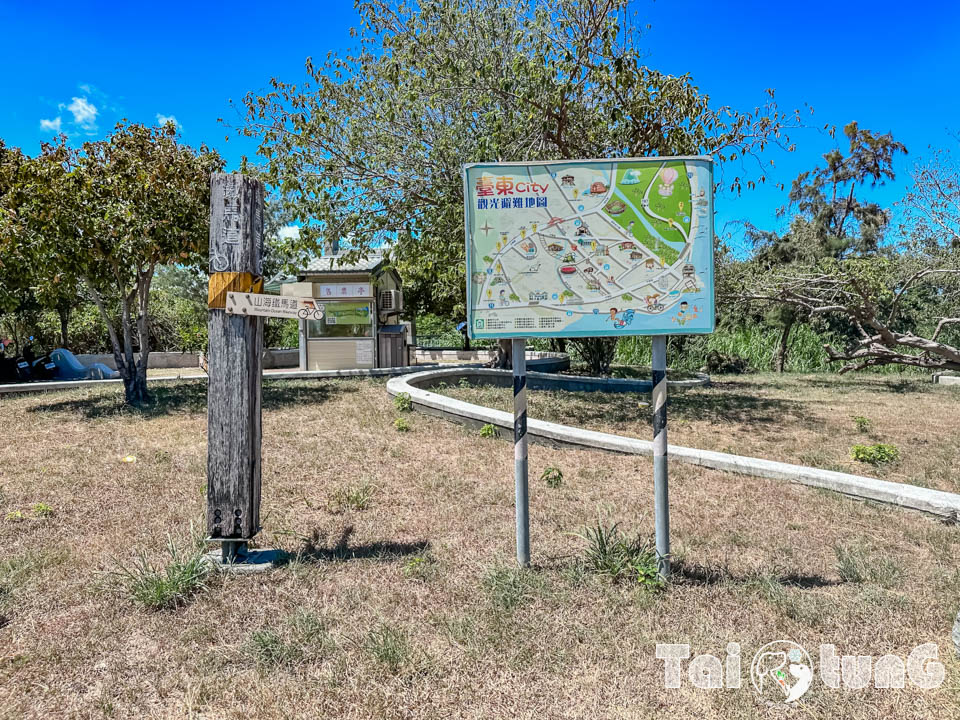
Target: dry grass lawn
{"type": "Point", "coordinates": [400, 599]}
{"type": "Point", "coordinates": [804, 419]}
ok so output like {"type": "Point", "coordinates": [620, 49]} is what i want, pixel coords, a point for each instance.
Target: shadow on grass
{"type": "Point", "coordinates": [875, 384]}
{"type": "Point", "coordinates": [713, 404]}
{"type": "Point", "coordinates": [191, 397]}
{"type": "Point", "coordinates": [321, 548]}
{"type": "Point", "coordinates": [686, 574]}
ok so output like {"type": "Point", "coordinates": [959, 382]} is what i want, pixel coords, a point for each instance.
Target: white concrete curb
{"type": "Point", "coordinates": [937, 502]}
{"type": "Point", "coordinates": [267, 375]}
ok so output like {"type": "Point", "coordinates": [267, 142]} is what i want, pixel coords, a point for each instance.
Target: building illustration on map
{"type": "Point", "coordinates": [622, 247]}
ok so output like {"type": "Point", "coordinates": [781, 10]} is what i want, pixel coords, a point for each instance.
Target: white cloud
{"type": "Point", "coordinates": [164, 119]}
{"type": "Point", "coordinates": [84, 113]}
{"type": "Point", "coordinates": [51, 125]}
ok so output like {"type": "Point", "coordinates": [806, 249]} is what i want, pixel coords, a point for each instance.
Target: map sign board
{"type": "Point", "coordinates": [273, 306]}
{"type": "Point", "coordinates": [581, 248]}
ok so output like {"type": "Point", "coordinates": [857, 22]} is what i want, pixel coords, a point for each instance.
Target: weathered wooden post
{"type": "Point", "coordinates": [234, 366]}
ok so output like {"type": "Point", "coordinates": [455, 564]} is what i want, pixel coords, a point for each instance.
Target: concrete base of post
{"type": "Point", "coordinates": [243, 561]}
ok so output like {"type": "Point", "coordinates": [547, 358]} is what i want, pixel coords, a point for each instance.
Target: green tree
{"type": "Point", "coordinates": [371, 145]}
{"type": "Point", "coordinates": [900, 302]}
{"type": "Point", "coordinates": [110, 213]}
{"type": "Point", "coordinates": [829, 220]}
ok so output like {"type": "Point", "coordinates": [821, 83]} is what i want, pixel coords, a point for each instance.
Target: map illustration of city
{"type": "Point", "coordinates": [590, 248]}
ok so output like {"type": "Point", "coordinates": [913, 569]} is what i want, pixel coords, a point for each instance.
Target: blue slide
{"type": "Point", "coordinates": [71, 369]}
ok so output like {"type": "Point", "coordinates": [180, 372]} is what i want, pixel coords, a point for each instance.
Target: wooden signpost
{"type": "Point", "coordinates": [234, 358]}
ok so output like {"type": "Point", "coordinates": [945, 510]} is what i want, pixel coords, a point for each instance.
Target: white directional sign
{"type": "Point", "coordinates": [273, 306]}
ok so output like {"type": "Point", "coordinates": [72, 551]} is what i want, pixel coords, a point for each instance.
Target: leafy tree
{"type": "Point", "coordinates": [829, 220]}
{"type": "Point", "coordinates": [110, 213]}
{"type": "Point", "coordinates": [902, 302]}
{"type": "Point", "coordinates": [371, 145]}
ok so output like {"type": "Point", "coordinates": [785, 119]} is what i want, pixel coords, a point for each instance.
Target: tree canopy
{"type": "Point", "coordinates": [372, 143]}
{"type": "Point", "coordinates": [108, 214]}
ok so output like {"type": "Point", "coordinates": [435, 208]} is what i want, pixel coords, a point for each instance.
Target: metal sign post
{"type": "Point", "coordinates": [519, 358]}
{"type": "Point", "coordinates": [661, 499]}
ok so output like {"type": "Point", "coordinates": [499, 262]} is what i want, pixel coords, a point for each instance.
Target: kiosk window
{"type": "Point", "coordinates": [342, 320]}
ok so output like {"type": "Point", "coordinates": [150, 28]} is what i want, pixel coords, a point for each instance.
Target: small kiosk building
{"type": "Point", "coordinates": [361, 326]}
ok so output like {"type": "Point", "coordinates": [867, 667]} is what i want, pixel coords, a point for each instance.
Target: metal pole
{"type": "Point", "coordinates": [302, 343]}
{"type": "Point", "coordinates": [661, 499]}
{"type": "Point", "coordinates": [520, 450]}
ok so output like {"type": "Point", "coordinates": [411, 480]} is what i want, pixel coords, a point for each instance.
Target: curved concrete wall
{"type": "Point", "coordinates": [935, 502]}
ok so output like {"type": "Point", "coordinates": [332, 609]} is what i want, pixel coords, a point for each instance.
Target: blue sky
{"type": "Point", "coordinates": [82, 66]}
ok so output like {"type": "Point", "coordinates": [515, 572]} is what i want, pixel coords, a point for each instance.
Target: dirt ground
{"type": "Point", "coordinates": [400, 599]}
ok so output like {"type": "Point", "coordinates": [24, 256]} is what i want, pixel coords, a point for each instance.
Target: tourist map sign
{"type": "Point", "coordinates": [273, 306]}
{"type": "Point", "coordinates": [590, 247]}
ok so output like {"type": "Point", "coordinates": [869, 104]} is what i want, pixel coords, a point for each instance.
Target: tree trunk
{"type": "Point", "coordinates": [504, 359]}
{"type": "Point", "coordinates": [135, 388]}
{"type": "Point", "coordinates": [64, 313]}
{"type": "Point", "coordinates": [780, 358]}
{"type": "Point", "coordinates": [137, 393]}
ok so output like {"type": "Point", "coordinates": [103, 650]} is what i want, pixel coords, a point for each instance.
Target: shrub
{"type": "Point", "coordinates": [877, 455]}
{"type": "Point", "coordinates": [402, 402]}
{"type": "Point", "coordinates": [489, 431]}
{"type": "Point", "coordinates": [553, 477]}
{"type": "Point", "coordinates": [401, 424]}
{"type": "Point", "coordinates": [862, 423]}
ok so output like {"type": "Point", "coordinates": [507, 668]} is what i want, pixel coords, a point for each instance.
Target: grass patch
{"type": "Point", "coordinates": [41, 510]}
{"type": "Point", "coordinates": [611, 553]}
{"type": "Point", "coordinates": [401, 424]}
{"type": "Point", "coordinates": [389, 646]}
{"type": "Point", "coordinates": [508, 588]}
{"type": "Point", "coordinates": [553, 477]}
{"type": "Point", "coordinates": [168, 585]}
{"type": "Point", "coordinates": [354, 497]}
{"type": "Point", "coordinates": [862, 424]}
{"type": "Point", "coordinates": [489, 431]}
{"type": "Point", "coordinates": [303, 637]}
{"type": "Point", "coordinates": [855, 564]}
{"type": "Point", "coordinates": [420, 567]}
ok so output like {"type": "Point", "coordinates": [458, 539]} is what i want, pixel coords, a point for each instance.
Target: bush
{"type": "Point", "coordinates": [401, 424]}
{"type": "Point", "coordinates": [489, 431]}
{"type": "Point", "coordinates": [402, 402]}
{"type": "Point", "coordinates": [862, 423]}
{"type": "Point", "coordinates": [877, 455]}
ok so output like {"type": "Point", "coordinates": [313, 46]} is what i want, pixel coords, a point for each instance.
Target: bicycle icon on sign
{"type": "Point", "coordinates": [310, 309]}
